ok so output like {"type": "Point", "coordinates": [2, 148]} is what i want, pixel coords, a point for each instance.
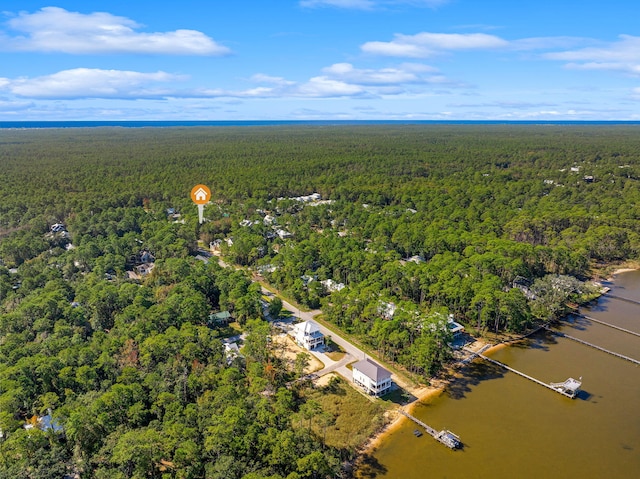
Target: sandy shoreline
{"type": "Point", "coordinates": [620, 271]}
{"type": "Point", "coordinates": [423, 396]}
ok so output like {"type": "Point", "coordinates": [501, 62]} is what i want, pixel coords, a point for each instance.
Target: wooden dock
{"type": "Point", "coordinates": [595, 346]}
{"type": "Point", "coordinates": [607, 324]}
{"type": "Point", "coordinates": [554, 386]}
{"type": "Point", "coordinates": [445, 437]}
{"type": "Point", "coordinates": [622, 298]}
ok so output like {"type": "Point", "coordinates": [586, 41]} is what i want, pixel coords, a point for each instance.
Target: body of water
{"type": "Point", "coordinates": [183, 123]}
{"type": "Point", "coordinates": [512, 427]}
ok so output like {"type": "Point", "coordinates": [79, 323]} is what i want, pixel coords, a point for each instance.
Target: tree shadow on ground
{"type": "Point", "coordinates": [399, 396]}
{"type": "Point", "coordinates": [334, 386]}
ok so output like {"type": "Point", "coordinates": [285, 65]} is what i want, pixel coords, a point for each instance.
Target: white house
{"type": "Point", "coordinates": [145, 269]}
{"type": "Point", "coordinates": [283, 234]}
{"type": "Point", "coordinates": [231, 352]}
{"type": "Point", "coordinates": [456, 328]}
{"type": "Point", "coordinates": [371, 377]}
{"type": "Point", "coordinates": [331, 286]}
{"type": "Point", "coordinates": [307, 334]}
{"type": "Point", "coordinates": [386, 310]}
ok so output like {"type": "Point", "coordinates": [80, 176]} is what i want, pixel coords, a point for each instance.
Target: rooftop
{"type": "Point", "coordinates": [372, 370]}
{"type": "Point", "coordinates": [308, 328]}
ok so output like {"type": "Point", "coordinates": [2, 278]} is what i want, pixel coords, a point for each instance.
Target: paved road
{"type": "Point", "coordinates": [348, 347]}
{"type": "Point", "coordinates": [353, 352]}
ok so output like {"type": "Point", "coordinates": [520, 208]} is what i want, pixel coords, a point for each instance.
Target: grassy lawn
{"type": "Point", "coordinates": [232, 329]}
{"type": "Point", "coordinates": [397, 397]}
{"type": "Point", "coordinates": [335, 352]}
{"type": "Point", "coordinates": [355, 418]}
{"type": "Point", "coordinates": [336, 355]}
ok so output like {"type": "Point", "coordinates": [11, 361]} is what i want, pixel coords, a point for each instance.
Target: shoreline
{"type": "Point", "coordinates": [618, 271]}
{"type": "Point", "coordinates": [427, 393]}
{"type": "Point", "coordinates": [422, 396]}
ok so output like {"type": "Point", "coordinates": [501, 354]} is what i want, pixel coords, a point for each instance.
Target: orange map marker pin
{"type": "Point", "coordinates": [200, 195]}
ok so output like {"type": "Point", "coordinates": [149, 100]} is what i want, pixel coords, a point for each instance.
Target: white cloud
{"type": "Point", "coordinates": [14, 106]}
{"type": "Point", "coordinates": [370, 4]}
{"type": "Point", "coordinates": [262, 78]}
{"type": "Point", "coordinates": [384, 76]}
{"type": "Point", "coordinates": [625, 50]}
{"type": "Point", "coordinates": [323, 87]}
{"type": "Point", "coordinates": [509, 105]}
{"type": "Point", "coordinates": [91, 83]}
{"type": "Point", "coordinates": [395, 49]}
{"type": "Point", "coordinates": [54, 29]}
{"type": "Point", "coordinates": [548, 43]}
{"type": "Point", "coordinates": [622, 56]}
{"type": "Point", "coordinates": [355, 4]}
{"type": "Point", "coordinates": [340, 80]}
{"type": "Point", "coordinates": [427, 44]}
{"type": "Point", "coordinates": [630, 68]}
{"type": "Point", "coordinates": [316, 87]}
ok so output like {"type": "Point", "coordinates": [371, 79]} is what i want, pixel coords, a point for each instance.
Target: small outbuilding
{"type": "Point", "coordinates": [221, 318]}
{"type": "Point", "coordinates": [371, 377]}
{"type": "Point", "coordinates": [456, 328]}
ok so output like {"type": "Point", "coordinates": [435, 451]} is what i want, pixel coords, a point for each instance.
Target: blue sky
{"type": "Point", "coordinates": [320, 59]}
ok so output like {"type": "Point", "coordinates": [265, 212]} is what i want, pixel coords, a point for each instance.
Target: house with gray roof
{"type": "Point", "coordinates": [372, 377]}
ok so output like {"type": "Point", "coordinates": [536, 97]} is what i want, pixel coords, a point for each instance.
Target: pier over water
{"type": "Point", "coordinates": [604, 323]}
{"type": "Point", "coordinates": [568, 388]}
{"type": "Point", "coordinates": [513, 429]}
{"type": "Point", "coordinates": [446, 437]}
{"type": "Point", "coordinates": [594, 346]}
{"type": "Point", "coordinates": [622, 298]}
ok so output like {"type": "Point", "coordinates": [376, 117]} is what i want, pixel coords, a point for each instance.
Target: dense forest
{"type": "Point", "coordinates": [388, 229]}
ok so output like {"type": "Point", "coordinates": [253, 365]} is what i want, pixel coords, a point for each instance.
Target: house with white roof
{"type": "Point", "coordinates": [386, 309]}
{"type": "Point", "coordinates": [372, 377]}
{"type": "Point", "coordinates": [231, 352]}
{"type": "Point", "coordinates": [307, 334]}
{"type": "Point", "coordinates": [331, 286]}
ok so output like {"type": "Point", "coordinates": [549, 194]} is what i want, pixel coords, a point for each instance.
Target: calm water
{"type": "Point", "coordinates": [513, 428]}
{"type": "Point", "coordinates": [186, 123]}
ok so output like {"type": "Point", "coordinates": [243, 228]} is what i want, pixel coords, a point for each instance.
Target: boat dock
{"type": "Point", "coordinates": [607, 324]}
{"type": "Point", "coordinates": [622, 298]}
{"type": "Point", "coordinates": [595, 346]}
{"type": "Point", "coordinates": [568, 388]}
{"type": "Point", "coordinates": [446, 437]}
